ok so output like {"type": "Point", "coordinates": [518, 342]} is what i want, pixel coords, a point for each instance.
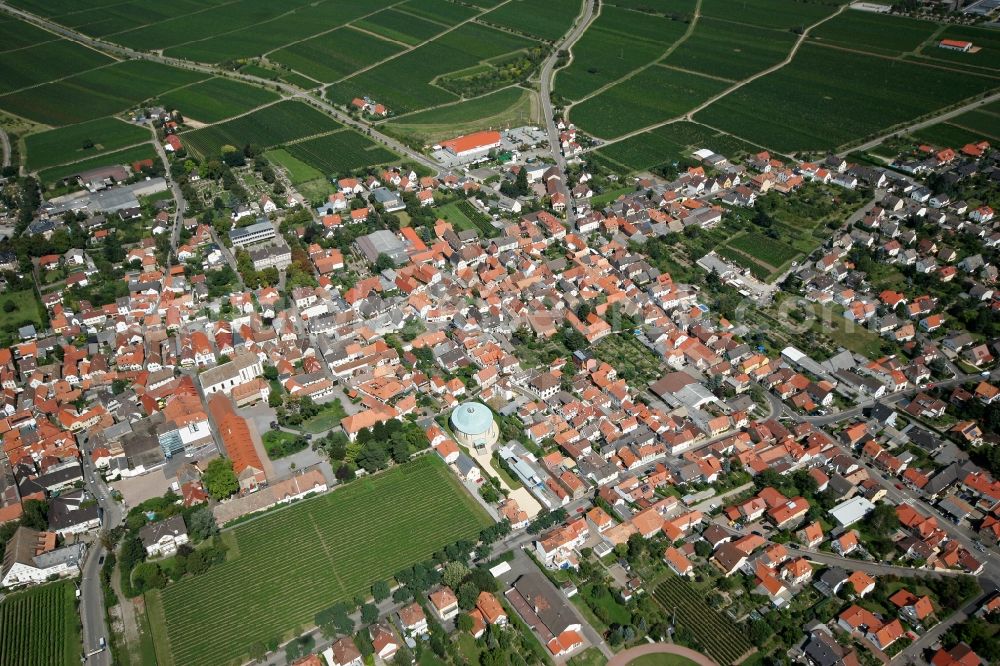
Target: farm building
{"type": "Point", "coordinates": [955, 45]}
{"type": "Point", "coordinates": [470, 144]}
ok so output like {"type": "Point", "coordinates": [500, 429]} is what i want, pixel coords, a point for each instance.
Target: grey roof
{"type": "Point", "coordinates": [381, 242]}
{"type": "Point", "coordinates": [548, 605]}
{"type": "Point", "coordinates": [150, 534]}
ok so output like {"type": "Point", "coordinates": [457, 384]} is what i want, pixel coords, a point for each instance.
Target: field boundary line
{"type": "Point", "coordinates": [689, 116]}
{"type": "Point", "coordinates": [329, 555]}
{"type": "Point", "coordinates": [392, 119]}
{"type": "Point", "coordinates": [64, 78]}
{"type": "Point", "coordinates": [416, 46]}
{"type": "Point", "coordinates": [368, 32]}
{"type": "Point", "coordinates": [349, 24]}
{"type": "Point", "coordinates": [694, 73]}
{"type": "Point", "coordinates": [695, 19]}
{"type": "Point", "coordinates": [955, 70]}
{"type": "Point", "coordinates": [89, 157]}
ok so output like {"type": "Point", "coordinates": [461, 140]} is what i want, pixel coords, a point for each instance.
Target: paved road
{"type": "Point", "coordinates": [927, 123]}
{"type": "Point", "coordinates": [626, 656]}
{"type": "Point", "coordinates": [913, 653]}
{"type": "Point", "coordinates": [5, 143]}
{"type": "Point", "coordinates": [91, 595]}
{"type": "Point", "coordinates": [179, 203]}
{"type": "Point", "coordinates": [288, 90]}
{"type": "Point", "coordinates": [873, 568]}
{"type": "Point", "coordinates": [548, 74]}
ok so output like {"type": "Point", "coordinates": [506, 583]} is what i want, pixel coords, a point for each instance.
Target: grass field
{"type": "Point", "coordinates": [126, 157]}
{"type": "Point", "coordinates": [508, 107]}
{"type": "Point", "coordinates": [297, 561]}
{"type": "Point", "coordinates": [340, 152]}
{"type": "Point", "coordinates": [616, 43]}
{"type": "Point", "coordinates": [27, 310]}
{"type": "Point", "coordinates": [651, 96]}
{"type": "Point", "coordinates": [77, 142]}
{"type": "Point", "coordinates": [329, 417]}
{"type": "Point", "coordinates": [298, 171]}
{"type": "Point", "coordinates": [40, 626]}
{"type": "Point", "coordinates": [216, 99]}
{"type": "Point", "coordinates": [270, 126]}
{"type": "Point", "coordinates": [97, 92]}
{"type": "Point", "coordinates": [796, 108]}
{"type": "Point", "coordinates": [830, 321]}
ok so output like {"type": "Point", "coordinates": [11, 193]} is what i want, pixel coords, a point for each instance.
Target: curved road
{"type": "Point", "coordinates": [625, 656]}
{"type": "Point", "coordinates": [290, 91]}
{"type": "Point", "coordinates": [547, 75]}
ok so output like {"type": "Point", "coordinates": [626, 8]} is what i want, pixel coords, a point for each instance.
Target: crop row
{"type": "Point", "coordinates": [340, 152]}
{"type": "Point", "coordinates": [720, 637]}
{"type": "Point", "coordinates": [39, 627]}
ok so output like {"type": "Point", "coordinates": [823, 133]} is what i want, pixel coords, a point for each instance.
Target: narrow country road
{"type": "Point", "coordinates": [626, 656]}
{"type": "Point", "coordinates": [546, 77]}
{"type": "Point", "coordinates": [5, 142]}
{"type": "Point", "coordinates": [179, 203]}
{"type": "Point", "coordinates": [711, 100]}
{"type": "Point", "coordinates": [927, 123]}
{"type": "Point", "coordinates": [290, 91]}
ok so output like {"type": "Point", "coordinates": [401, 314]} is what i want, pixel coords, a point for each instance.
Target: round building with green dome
{"type": "Point", "coordinates": [474, 426]}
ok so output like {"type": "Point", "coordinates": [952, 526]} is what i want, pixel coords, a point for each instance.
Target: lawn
{"type": "Point", "coordinates": [294, 562]}
{"type": "Point", "coordinates": [636, 363]}
{"type": "Point", "coordinates": [27, 310]}
{"type": "Point", "coordinates": [771, 251]}
{"type": "Point", "coordinates": [279, 443]}
{"type": "Point", "coordinates": [512, 107]}
{"type": "Point", "coordinates": [661, 660]}
{"type": "Point", "coordinates": [216, 99]}
{"type": "Point", "coordinates": [819, 102]}
{"type": "Point", "coordinates": [40, 627]}
{"type": "Point", "coordinates": [78, 142]}
{"type": "Point", "coordinates": [830, 322]}
{"type": "Point", "coordinates": [298, 171]}
{"type": "Point", "coordinates": [462, 215]}
{"type": "Point", "coordinates": [329, 417]}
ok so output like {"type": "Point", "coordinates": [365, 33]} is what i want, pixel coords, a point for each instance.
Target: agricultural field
{"type": "Point", "coordinates": [652, 96]}
{"type": "Point", "coordinates": [271, 126]}
{"type": "Point", "coordinates": [793, 109]}
{"type": "Point", "coordinates": [668, 7]}
{"type": "Point", "coordinates": [15, 34]}
{"type": "Point", "coordinates": [126, 157]}
{"type": "Point", "coordinates": [670, 143]}
{"type": "Point", "coordinates": [876, 33]}
{"type": "Point", "coordinates": [765, 257]}
{"type": "Point", "coordinates": [401, 27]}
{"type": "Point", "coordinates": [79, 142]}
{"type": "Point", "coordinates": [33, 65]}
{"type": "Point", "coordinates": [635, 362]}
{"type": "Point", "coordinates": [777, 14]}
{"type": "Point", "coordinates": [618, 42]}
{"type": "Point", "coordinates": [442, 11]}
{"type": "Point", "coordinates": [297, 561]}
{"type": "Point", "coordinates": [335, 54]}
{"type": "Point", "coordinates": [980, 121]}
{"type": "Point", "coordinates": [729, 50]}
{"type": "Point", "coordinates": [96, 93]}
{"type": "Point", "coordinates": [548, 20]}
{"type": "Point", "coordinates": [987, 58]}
{"type": "Point", "coordinates": [719, 636]}
{"type": "Point", "coordinates": [40, 626]}
{"type": "Point", "coordinates": [510, 107]}
{"type": "Point", "coordinates": [405, 83]}
{"type": "Point", "coordinates": [216, 99]}
{"type": "Point", "coordinates": [950, 135]}
{"type": "Point", "coordinates": [340, 152]}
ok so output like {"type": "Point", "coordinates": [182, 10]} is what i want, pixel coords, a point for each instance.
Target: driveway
{"type": "Point", "coordinates": [624, 657]}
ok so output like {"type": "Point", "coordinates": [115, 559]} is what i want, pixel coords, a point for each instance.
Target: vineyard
{"type": "Point", "coordinates": [40, 627]}
{"type": "Point", "coordinates": [722, 639]}
{"type": "Point", "coordinates": [295, 562]}
{"type": "Point", "coordinates": [340, 152]}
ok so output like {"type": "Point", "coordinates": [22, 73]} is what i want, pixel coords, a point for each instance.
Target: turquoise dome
{"type": "Point", "coordinates": [472, 418]}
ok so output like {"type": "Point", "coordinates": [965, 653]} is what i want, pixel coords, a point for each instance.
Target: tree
{"type": "Point", "coordinates": [882, 521]}
{"type": "Point", "coordinates": [372, 457]}
{"type": "Point", "coordinates": [380, 590]}
{"type": "Point", "coordinates": [220, 479]}
{"type": "Point", "coordinates": [702, 549]}
{"type": "Point", "coordinates": [369, 613]}
{"type": "Point", "coordinates": [148, 576]}
{"type": "Point", "coordinates": [454, 573]}
{"type": "Point", "coordinates": [273, 399]}
{"type": "Point", "coordinates": [201, 524]}
{"type": "Point", "coordinates": [35, 514]}
{"type": "Point", "coordinates": [384, 262]}
{"type": "Point", "coordinates": [196, 563]}
{"type": "Point", "coordinates": [464, 622]}
{"type": "Point", "coordinates": [467, 595]}
{"type": "Point", "coordinates": [9, 306]}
